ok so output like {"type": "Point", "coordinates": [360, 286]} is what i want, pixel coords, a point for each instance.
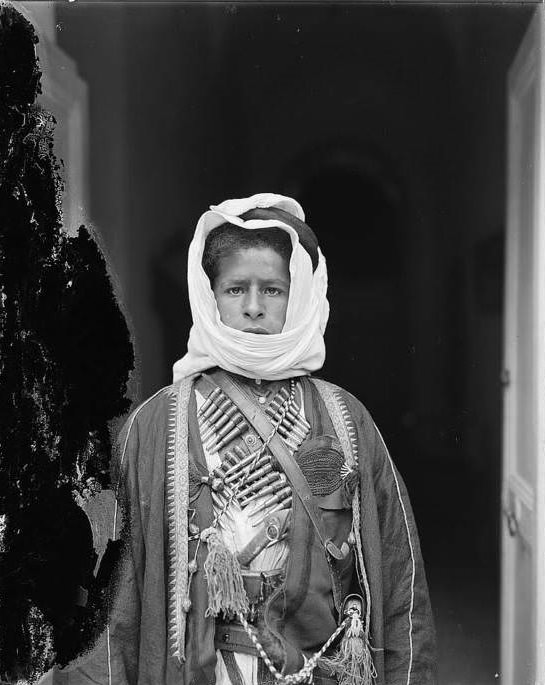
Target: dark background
{"type": "Point", "coordinates": [387, 122]}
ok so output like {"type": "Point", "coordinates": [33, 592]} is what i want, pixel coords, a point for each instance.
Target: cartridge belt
{"type": "Point", "coordinates": [261, 423]}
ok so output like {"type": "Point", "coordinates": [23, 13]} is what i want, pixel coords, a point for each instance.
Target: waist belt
{"type": "Point", "coordinates": [259, 585]}
{"type": "Point", "coordinates": [231, 637]}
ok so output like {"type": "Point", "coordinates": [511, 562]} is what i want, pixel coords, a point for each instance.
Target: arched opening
{"type": "Point", "coordinates": [353, 205]}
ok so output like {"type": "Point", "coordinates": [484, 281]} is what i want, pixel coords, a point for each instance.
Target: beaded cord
{"type": "Point", "coordinates": [304, 673]}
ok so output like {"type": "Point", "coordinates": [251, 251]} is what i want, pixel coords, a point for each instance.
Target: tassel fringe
{"type": "Point", "coordinates": [226, 592]}
{"type": "Point", "coordinates": [352, 664]}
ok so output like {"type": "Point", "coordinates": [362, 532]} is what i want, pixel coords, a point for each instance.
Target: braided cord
{"type": "Point", "coordinates": [360, 565]}
{"type": "Point", "coordinates": [304, 673]}
{"type": "Point", "coordinates": [345, 430]}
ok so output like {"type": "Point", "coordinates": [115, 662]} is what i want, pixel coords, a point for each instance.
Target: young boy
{"type": "Point", "coordinates": [268, 535]}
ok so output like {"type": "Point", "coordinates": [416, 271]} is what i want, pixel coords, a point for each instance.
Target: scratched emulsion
{"type": "Point", "coordinates": [65, 358]}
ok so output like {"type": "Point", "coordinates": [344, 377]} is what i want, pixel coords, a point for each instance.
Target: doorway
{"type": "Point", "coordinates": [393, 114]}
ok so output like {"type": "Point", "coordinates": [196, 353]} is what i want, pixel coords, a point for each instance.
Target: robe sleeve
{"type": "Point", "coordinates": [409, 635]}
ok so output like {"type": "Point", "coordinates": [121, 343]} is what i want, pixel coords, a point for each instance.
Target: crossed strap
{"type": "Point", "coordinates": [263, 426]}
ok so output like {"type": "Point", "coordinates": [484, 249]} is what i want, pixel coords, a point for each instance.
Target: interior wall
{"type": "Point", "coordinates": [193, 104]}
{"type": "Point", "coordinates": [94, 35]}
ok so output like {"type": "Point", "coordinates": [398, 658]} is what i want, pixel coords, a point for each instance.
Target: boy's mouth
{"type": "Point", "coordinates": [258, 330]}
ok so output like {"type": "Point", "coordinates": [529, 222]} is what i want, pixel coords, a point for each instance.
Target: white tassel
{"type": "Point", "coordinates": [353, 663]}
{"type": "Point", "coordinates": [224, 577]}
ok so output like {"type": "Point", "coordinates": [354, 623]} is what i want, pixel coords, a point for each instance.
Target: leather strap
{"type": "Point", "coordinates": [273, 530]}
{"type": "Point", "coordinates": [261, 423]}
{"type": "Point", "coordinates": [233, 670]}
{"type": "Point", "coordinates": [232, 637]}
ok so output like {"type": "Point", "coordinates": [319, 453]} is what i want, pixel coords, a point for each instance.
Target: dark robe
{"type": "Point", "coordinates": [135, 649]}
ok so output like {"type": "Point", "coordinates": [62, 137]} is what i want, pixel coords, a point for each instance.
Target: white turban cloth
{"type": "Point", "coordinates": [299, 349]}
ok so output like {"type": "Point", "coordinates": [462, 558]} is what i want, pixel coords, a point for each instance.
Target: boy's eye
{"type": "Point", "coordinates": [234, 290]}
{"type": "Point", "coordinates": [272, 291]}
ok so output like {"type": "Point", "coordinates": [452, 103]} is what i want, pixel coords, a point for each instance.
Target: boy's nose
{"type": "Point", "coordinates": [253, 306]}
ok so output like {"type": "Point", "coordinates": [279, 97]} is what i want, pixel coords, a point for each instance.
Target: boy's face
{"type": "Point", "coordinates": [252, 289]}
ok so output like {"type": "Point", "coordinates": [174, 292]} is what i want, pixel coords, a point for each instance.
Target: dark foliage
{"type": "Point", "coordinates": [65, 357]}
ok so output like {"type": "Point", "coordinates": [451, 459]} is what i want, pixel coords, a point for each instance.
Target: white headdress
{"type": "Point", "coordinates": [299, 349]}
